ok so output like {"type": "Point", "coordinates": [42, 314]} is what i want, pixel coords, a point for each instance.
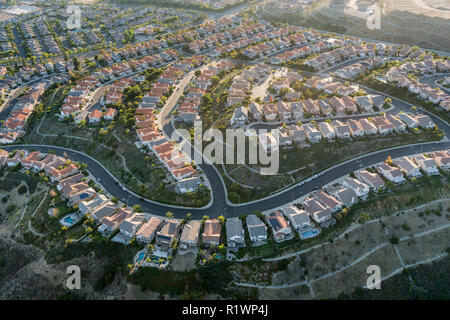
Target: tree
{"type": "Point", "coordinates": [234, 197]}
{"type": "Point", "coordinates": [137, 208]}
{"type": "Point", "coordinates": [221, 219]}
{"type": "Point", "coordinates": [169, 215]}
{"type": "Point", "coordinates": [205, 218]}
{"type": "Point", "coordinates": [197, 73]}
{"type": "Point", "coordinates": [389, 160]}
{"type": "Point", "coordinates": [76, 63]}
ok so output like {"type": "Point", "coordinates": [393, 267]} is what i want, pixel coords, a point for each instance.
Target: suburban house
{"type": "Point", "coordinates": [408, 167]}
{"type": "Point", "coordinates": [105, 210]}
{"type": "Point", "coordinates": [327, 130]}
{"type": "Point", "coordinates": [189, 236]}
{"type": "Point", "coordinates": [361, 189]}
{"type": "Point", "coordinates": [112, 223]}
{"type": "Point", "coordinates": [257, 230]}
{"type": "Point", "coordinates": [168, 232]}
{"type": "Point", "coordinates": [95, 116]}
{"type": "Point", "coordinates": [316, 210]}
{"type": "Point", "coordinates": [240, 116]}
{"type": "Point", "coordinates": [280, 226]}
{"type": "Point", "coordinates": [328, 201]}
{"type": "Point", "coordinates": [211, 232]}
{"type": "Point", "coordinates": [188, 185]}
{"type": "Point", "coordinates": [235, 232]}
{"type": "Point", "coordinates": [86, 207]}
{"type": "Point", "coordinates": [393, 174]}
{"type": "Point", "coordinates": [147, 231]}
{"type": "Point", "coordinates": [428, 165]}
{"type": "Point", "coordinates": [346, 195]}
{"type": "Point", "coordinates": [298, 218]}
{"type": "Point", "coordinates": [255, 111]}
{"type": "Point", "coordinates": [130, 225]}
{"type": "Point", "coordinates": [372, 179]}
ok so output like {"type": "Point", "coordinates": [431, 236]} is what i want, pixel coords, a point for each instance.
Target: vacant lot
{"type": "Point", "coordinates": [356, 276]}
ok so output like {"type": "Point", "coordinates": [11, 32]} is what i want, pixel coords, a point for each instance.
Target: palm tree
{"type": "Point", "coordinates": [221, 219]}
{"type": "Point", "coordinates": [169, 215]}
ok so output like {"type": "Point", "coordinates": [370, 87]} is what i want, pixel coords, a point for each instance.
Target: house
{"type": "Point", "coordinates": [327, 130]}
{"type": "Point", "coordinates": [95, 116]}
{"type": "Point", "coordinates": [189, 236]}
{"type": "Point", "coordinates": [131, 224]}
{"type": "Point", "coordinates": [361, 189]}
{"type": "Point", "coordinates": [408, 167]}
{"type": "Point", "coordinates": [105, 210]}
{"type": "Point", "coordinates": [240, 116]}
{"type": "Point", "coordinates": [372, 179]}
{"type": "Point", "coordinates": [364, 103]}
{"type": "Point", "coordinates": [368, 127]}
{"type": "Point", "coordinates": [356, 129]}
{"type": "Point", "coordinates": [284, 112]}
{"type": "Point", "coordinates": [235, 232]}
{"type": "Point", "coordinates": [110, 114]}
{"type": "Point", "coordinates": [425, 121]}
{"type": "Point", "coordinates": [311, 107]}
{"type": "Point", "coordinates": [168, 232]}
{"type": "Point", "coordinates": [393, 174]}
{"type": "Point", "coordinates": [298, 218]}
{"type": "Point", "coordinates": [280, 226]}
{"type": "Point", "coordinates": [111, 223]}
{"type": "Point", "coordinates": [398, 125]}
{"type": "Point", "coordinates": [328, 201]}
{"type": "Point", "coordinates": [428, 165]}
{"type": "Point", "coordinates": [188, 185]}
{"type": "Point", "coordinates": [316, 210]}
{"type": "Point", "coordinates": [408, 120]}
{"type": "Point", "coordinates": [211, 232]}
{"type": "Point", "coordinates": [346, 195]}
{"type": "Point", "coordinates": [297, 133]}
{"type": "Point", "coordinates": [342, 130]}
{"type": "Point", "coordinates": [257, 230]}
{"type": "Point", "coordinates": [269, 111]}
{"type": "Point", "coordinates": [147, 231]}
{"type": "Point", "coordinates": [443, 162]}
{"type": "Point", "coordinates": [325, 106]}
{"type": "Point", "coordinates": [255, 111]}
{"type": "Point", "coordinates": [86, 207]}
{"type": "Point", "coordinates": [297, 110]}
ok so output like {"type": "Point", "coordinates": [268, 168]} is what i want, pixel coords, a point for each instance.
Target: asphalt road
{"type": "Point", "coordinates": [219, 206]}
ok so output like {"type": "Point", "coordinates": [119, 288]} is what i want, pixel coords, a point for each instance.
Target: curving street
{"type": "Point", "coordinates": [219, 206]}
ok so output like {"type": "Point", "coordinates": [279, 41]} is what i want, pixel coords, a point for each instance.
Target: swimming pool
{"type": "Point", "coordinates": [141, 256]}
{"type": "Point", "coordinates": [309, 234]}
{"type": "Point", "coordinates": [69, 220]}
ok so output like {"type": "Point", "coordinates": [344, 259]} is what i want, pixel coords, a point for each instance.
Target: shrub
{"type": "Point", "coordinates": [22, 190]}
{"type": "Point", "coordinates": [394, 240]}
